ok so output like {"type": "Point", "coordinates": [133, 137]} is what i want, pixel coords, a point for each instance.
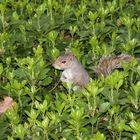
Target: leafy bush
{"type": "Point", "coordinates": [33, 33]}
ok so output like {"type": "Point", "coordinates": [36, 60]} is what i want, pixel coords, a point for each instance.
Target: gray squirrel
{"type": "Point", "coordinates": [74, 72]}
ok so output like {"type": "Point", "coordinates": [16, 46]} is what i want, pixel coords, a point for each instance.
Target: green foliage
{"type": "Point", "coordinates": [32, 35]}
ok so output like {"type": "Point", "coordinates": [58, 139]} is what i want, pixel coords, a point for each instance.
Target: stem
{"type": "Point", "coordinates": [131, 77]}
{"type": "Point", "coordinates": [53, 44]}
{"type": "Point", "coordinates": [83, 18]}
{"type": "Point", "coordinates": [60, 127]}
{"type": "Point", "coordinates": [110, 120]}
{"type": "Point", "coordinates": [63, 18]}
{"type": "Point", "coordinates": [88, 103]}
{"type": "Point", "coordinates": [32, 98]}
{"type": "Point", "coordinates": [2, 19]}
{"type": "Point", "coordinates": [38, 22]}
{"type": "Point", "coordinates": [33, 88]}
{"type": "Point", "coordinates": [72, 38]}
{"type": "Point", "coordinates": [94, 105]}
{"type": "Point", "coordinates": [77, 131]}
{"type": "Point", "coordinates": [101, 3]}
{"type": "Point", "coordinates": [2, 16]}
{"type": "Point", "coordinates": [112, 96]}
{"type": "Point", "coordinates": [19, 99]}
{"type": "Point", "coordinates": [69, 98]}
{"type": "Point", "coordinates": [120, 135]}
{"type": "Point", "coordinates": [51, 16]}
{"type": "Point", "coordinates": [93, 28]}
{"type": "Point", "coordinates": [92, 128]}
{"type": "Point", "coordinates": [46, 135]}
{"type": "Point", "coordinates": [129, 33]}
{"type": "Point", "coordinates": [111, 17]}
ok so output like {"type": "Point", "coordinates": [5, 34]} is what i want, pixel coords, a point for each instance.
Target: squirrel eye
{"type": "Point", "coordinates": [63, 62]}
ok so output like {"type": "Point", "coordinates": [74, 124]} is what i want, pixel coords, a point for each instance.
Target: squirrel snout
{"type": "Point", "coordinates": [56, 66]}
{"type": "Point", "coordinates": [53, 65]}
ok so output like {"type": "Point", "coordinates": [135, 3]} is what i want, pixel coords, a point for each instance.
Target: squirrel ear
{"type": "Point", "coordinates": [71, 56]}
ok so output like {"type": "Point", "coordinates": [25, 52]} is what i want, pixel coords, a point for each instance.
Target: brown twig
{"type": "Point", "coordinates": [55, 86]}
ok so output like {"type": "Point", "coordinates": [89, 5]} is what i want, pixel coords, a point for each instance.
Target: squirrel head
{"type": "Point", "coordinates": [64, 61]}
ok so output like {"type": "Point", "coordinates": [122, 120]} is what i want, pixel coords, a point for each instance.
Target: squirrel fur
{"type": "Point", "coordinates": [108, 64]}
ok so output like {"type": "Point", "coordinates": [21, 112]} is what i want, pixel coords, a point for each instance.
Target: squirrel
{"type": "Point", "coordinates": [74, 72]}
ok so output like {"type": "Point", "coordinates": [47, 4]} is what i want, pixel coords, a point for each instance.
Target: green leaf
{"type": "Point", "coordinates": [46, 81]}
{"type": "Point", "coordinates": [104, 107]}
{"type": "Point", "coordinates": [99, 136]}
{"type": "Point", "coordinates": [15, 16]}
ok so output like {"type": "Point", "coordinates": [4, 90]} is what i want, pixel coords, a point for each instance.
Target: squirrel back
{"type": "Point", "coordinates": [108, 64]}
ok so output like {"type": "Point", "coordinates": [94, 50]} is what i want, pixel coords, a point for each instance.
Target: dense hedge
{"type": "Point", "coordinates": [33, 33]}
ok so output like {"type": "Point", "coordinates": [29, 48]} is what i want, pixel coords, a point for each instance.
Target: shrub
{"type": "Point", "coordinates": [33, 33]}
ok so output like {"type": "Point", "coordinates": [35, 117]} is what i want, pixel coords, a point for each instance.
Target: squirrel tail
{"type": "Point", "coordinates": [108, 64]}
